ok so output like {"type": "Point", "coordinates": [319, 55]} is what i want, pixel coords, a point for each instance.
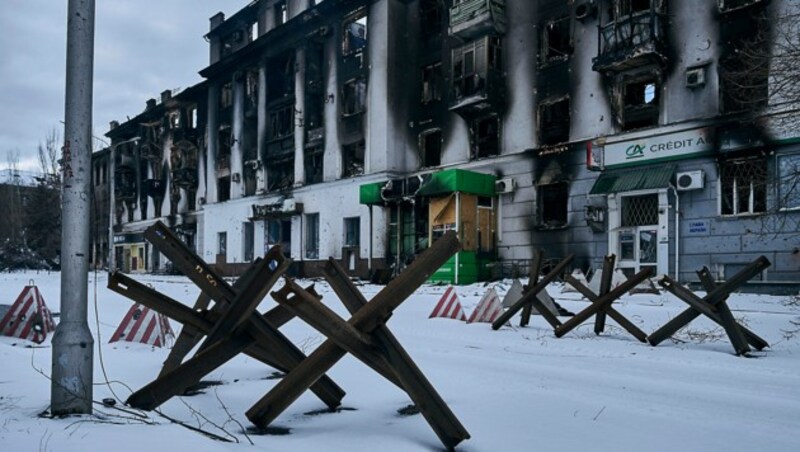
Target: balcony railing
{"type": "Point", "coordinates": [472, 18]}
{"type": "Point", "coordinates": [631, 41]}
{"type": "Point", "coordinates": [478, 92]}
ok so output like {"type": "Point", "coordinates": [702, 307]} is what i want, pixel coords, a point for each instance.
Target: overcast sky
{"type": "Point", "coordinates": [142, 47]}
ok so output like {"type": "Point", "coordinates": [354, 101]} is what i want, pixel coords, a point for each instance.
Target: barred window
{"type": "Point", "coordinates": [743, 186]}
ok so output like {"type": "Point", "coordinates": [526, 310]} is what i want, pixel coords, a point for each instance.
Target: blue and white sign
{"type": "Point", "coordinates": [697, 227]}
{"type": "Point", "coordinates": [670, 146]}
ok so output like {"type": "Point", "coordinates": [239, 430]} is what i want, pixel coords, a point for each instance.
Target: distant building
{"type": "Point", "coordinates": [363, 129]}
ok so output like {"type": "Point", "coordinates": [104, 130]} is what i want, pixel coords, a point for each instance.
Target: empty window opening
{"type": "Point", "coordinates": [485, 136]}
{"type": "Point", "coordinates": [556, 40]}
{"type": "Point", "coordinates": [553, 204]}
{"type": "Point", "coordinates": [743, 186]}
{"type": "Point", "coordinates": [640, 100]}
{"type": "Point", "coordinates": [280, 77]}
{"type": "Point", "coordinates": [554, 122]}
{"type": "Point", "coordinates": [280, 172]}
{"type": "Point", "coordinates": [354, 96]}
{"type": "Point", "coordinates": [281, 14]}
{"type": "Point", "coordinates": [352, 232]}
{"type": "Point", "coordinates": [744, 65]}
{"type": "Point", "coordinates": [313, 163]}
{"type": "Point", "coordinates": [431, 13]}
{"type": "Point", "coordinates": [432, 81]}
{"type": "Point", "coordinates": [224, 189]}
{"type": "Point", "coordinates": [629, 7]}
{"type": "Point", "coordinates": [354, 38]}
{"type": "Point", "coordinates": [251, 91]}
{"type": "Point", "coordinates": [312, 236]}
{"type": "Point", "coordinates": [353, 159]}
{"type": "Point", "coordinates": [248, 241]}
{"type": "Point", "coordinates": [226, 96]}
{"type": "Point", "coordinates": [430, 144]}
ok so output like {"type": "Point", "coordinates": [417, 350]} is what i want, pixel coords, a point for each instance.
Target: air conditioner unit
{"type": "Point", "coordinates": [689, 180]}
{"type": "Point", "coordinates": [505, 185]}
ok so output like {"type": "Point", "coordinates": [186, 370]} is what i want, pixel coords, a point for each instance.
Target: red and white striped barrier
{"type": "Point", "coordinates": [142, 324]}
{"type": "Point", "coordinates": [28, 317]}
{"type": "Point", "coordinates": [489, 308]}
{"type": "Point", "coordinates": [449, 306]}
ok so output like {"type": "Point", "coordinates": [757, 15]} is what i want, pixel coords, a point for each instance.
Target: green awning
{"type": "Point", "coordinates": [632, 180]}
{"type": "Point", "coordinates": [454, 180]}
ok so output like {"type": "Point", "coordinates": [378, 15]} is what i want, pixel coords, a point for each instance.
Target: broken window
{"type": "Point", "coordinates": [743, 186]}
{"type": "Point", "coordinates": [352, 231]}
{"type": "Point", "coordinates": [556, 41]}
{"type": "Point", "coordinates": [640, 103]}
{"type": "Point", "coordinates": [353, 159]}
{"type": "Point", "coordinates": [485, 134]}
{"type": "Point", "coordinates": [431, 13]}
{"type": "Point", "coordinates": [251, 90]}
{"type": "Point", "coordinates": [278, 233]}
{"type": "Point", "coordinates": [281, 122]}
{"type": "Point", "coordinates": [313, 117]}
{"type": "Point", "coordinates": [789, 181]}
{"type": "Point", "coordinates": [553, 204]}
{"type": "Point", "coordinates": [312, 236]}
{"type": "Point", "coordinates": [354, 96]}
{"type": "Point", "coordinates": [432, 83]}
{"type": "Point", "coordinates": [554, 121]}
{"type": "Point", "coordinates": [430, 146]}
{"type": "Point", "coordinates": [472, 64]}
{"type": "Point", "coordinates": [280, 171]}
{"type": "Point", "coordinates": [223, 162]}
{"type": "Point", "coordinates": [354, 37]}
{"type": "Point", "coordinates": [281, 15]}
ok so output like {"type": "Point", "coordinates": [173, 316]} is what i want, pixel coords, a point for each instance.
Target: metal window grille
{"type": "Point", "coordinates": [639, 210]}
{"type": "Point", "coordinates": [743, 186]}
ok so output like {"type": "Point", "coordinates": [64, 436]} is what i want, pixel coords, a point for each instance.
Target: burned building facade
{"type": "Point", "coordinates": [363, 129]}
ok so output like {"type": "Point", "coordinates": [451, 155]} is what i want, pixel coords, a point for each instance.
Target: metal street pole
{"type": "Point", "coordinates": [73, 345]}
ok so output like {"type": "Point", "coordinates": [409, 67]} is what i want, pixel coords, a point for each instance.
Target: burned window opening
{"type": "Point", "coordinates": [431, 13]}
{"type": "Point", "coordinates": [280, 79]}
{"type": "Point", "coordinates": [223, 161]}
{"type": "Point", "coordinates": [251, 92]}
{"type": "Point", "coordinates": [354, 96]}
{"type": "Point", "coordinates": [553, 204]}
{"type": "Point", "coordinates": [353, 159]}
{"type": "Point", "coordinates": [314, 114]}
{"type": "Point", "coordinates": [640, 102]}
{"type": "Point", "coordinates": [313, 164]}
{"type": "Point", "coordinates": [744, 66]}
{"type": "Point", "coordinates": [281, 122]}
{"type": "Point", "coordinates": [354, 34]}
{"type": "Point", "coordinates": [430, 146]}
{"type": "Point", "coordinates": [280, 172]}
{"type": "Point", "coordinates": [485, 134]}
{"type": "Point", "coordinates": [223, 188]}
{"type": "Point", "coordinates": [226, 97]}
{"type": "Point", "coordinates": [629, 7]}
{"type": "Point", "coordinates": [743, 186]}
{"type": "Point", "coordinates": [432, 83]}
{"type": "Point", "coordinates": [554, 122]}
{"type": "Point", "coordinates": [556, 41]}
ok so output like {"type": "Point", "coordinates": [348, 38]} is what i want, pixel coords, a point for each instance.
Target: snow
{"type": "Point", "coordinates": [514, 389]}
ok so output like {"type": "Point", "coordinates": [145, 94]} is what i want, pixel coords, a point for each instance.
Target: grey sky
{"type": "Point", "coordinates": [142, 47]}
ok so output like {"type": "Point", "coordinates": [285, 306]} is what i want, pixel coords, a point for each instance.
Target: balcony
{"type": "Point", "coordinates": [632, 41]}
{"type": "Point", "coordinates": [153, 188]}
{"type": "Point", "coordinates": [223, 165]}
{"type": "Point", "coordinates": [472, 18]}
{"type": "Point", "coordinates": [150, 151]}
{"type": "Point", "coordinates": [478, 94]}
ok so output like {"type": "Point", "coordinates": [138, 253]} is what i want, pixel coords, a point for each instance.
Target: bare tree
{"type": "Point", "coordinates": [48, 154]}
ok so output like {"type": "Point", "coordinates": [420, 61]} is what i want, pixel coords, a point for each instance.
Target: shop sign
{"type": "Point", "coordinates": [120, 239]}
{"type": "Point", "coordinates": [671, 146]}
{"type": "Point", "coordinates": [697, 227]}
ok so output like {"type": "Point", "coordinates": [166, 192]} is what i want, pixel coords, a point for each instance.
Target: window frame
{"type": "Point", "coordinates": [735, 212]}
{"type": "Point", "coordinates": [311, 245]}
{"type": "Point", "coordinates": [351, 230]}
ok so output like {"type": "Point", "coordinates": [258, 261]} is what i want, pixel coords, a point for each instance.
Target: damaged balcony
{"type": "Point", "coordinates": [471, 18]}
{"type": "Point", "coordinates": [634, 37]}
{"type": "Point", "coordinates": [153, 188]}
{"type": "Point", "coordinates": [478, 81]}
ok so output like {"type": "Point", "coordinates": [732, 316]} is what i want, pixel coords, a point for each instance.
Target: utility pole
{"type": "Point", "coordinates": [73, 345]}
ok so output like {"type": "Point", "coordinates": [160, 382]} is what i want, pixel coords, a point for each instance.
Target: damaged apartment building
{"type": "Point", "coordinates": [364, 129]}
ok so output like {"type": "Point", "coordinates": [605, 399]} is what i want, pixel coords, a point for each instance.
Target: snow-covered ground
{"type": "Point", "coordinates": [515, 389]}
